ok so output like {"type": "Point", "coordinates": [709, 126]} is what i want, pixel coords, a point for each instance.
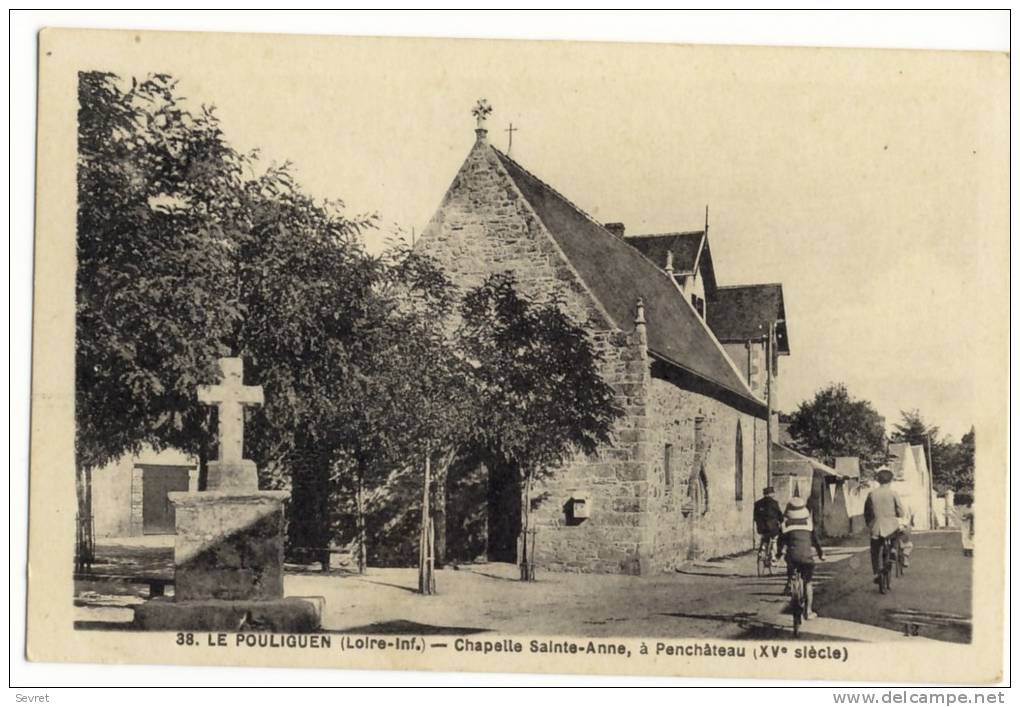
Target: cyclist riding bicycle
{"type": "Point", "coordinates": [768, 517]}
{"type": "Point", "coordinates": [883, 511]}
{"type": "Point", "coordinates": [798, 538]}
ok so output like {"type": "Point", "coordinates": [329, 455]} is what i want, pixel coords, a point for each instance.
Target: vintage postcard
{"type": "Point", "coordinates": [519, 356]}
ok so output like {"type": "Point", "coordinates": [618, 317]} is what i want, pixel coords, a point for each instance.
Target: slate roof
{"type": "Point", "coordinates": [685, 247]}
{"type": "Point", "coordinates": [744, 312]}
{"type": "Point", "coordinates": [786, 461]}
{"type": "Point", "coordinates": [618, 275]}
{"type": "Point", "coordinates": [688, 253]}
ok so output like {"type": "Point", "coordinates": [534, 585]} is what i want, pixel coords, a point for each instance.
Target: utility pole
{"type": "Point", "coordinates": [768, 403]}
{"type": "Point", "coordinates": [931, 483]}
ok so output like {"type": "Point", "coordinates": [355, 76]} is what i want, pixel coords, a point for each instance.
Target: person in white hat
{"type": "Point", "coordinates": [799, 539]}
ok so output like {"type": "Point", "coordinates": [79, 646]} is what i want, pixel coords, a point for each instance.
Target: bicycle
{"type": "Point", "coordinates": [887, 560]}
{"type": "Point", "coordinates": [797, 601]}
{"type": "Point", "coordinates": [766, 556]}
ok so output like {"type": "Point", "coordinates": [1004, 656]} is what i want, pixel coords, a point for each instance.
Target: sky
{"type": "Point", "coordinates": [872, 185]}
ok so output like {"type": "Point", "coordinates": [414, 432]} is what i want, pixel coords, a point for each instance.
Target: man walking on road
{"type": "Point", "coordinates": [882, 512]}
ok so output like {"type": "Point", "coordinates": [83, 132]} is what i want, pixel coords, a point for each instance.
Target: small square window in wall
{"type": "Point", "coordinates": [667, 467]}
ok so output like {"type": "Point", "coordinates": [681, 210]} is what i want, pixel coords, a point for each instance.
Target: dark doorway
{"type": "Point", "coordinates": [157, 512]}
{"type": "Point", "coordinates": [504, 508]}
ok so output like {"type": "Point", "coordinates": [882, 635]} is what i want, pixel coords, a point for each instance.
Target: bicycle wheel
{"type": "Point", "coordinates": [761, 563]}
{"type": "Point", "coordinates": [797, 603]}
{"type": "Point", "coordinates": [887, 566]}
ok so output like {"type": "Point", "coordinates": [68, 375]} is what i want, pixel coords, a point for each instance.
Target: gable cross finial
{"type": "Point", "coordinates": [481, 111]}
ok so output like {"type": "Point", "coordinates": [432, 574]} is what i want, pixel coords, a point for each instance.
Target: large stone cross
{"type": "Point", "coordinates": [231, 396]}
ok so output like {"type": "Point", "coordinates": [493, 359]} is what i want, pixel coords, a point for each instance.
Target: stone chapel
{"type": "Point", "coordinates": [693, 364]}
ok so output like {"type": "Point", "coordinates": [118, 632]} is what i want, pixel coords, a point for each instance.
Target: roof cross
{"type": "Point", "coordinates": [511, 130]}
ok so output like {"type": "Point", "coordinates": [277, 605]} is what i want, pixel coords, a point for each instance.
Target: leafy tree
{"type": "Point", "coordinates": [409, 399]}
{"type": "Point", "coordinates": [438, 388]}
{"type": "Point", "coordinates": [185, 255]}
{"type": "Point", "coordinates": [153, 298]}
{"type": "Point", "coordinates": [952, 463]}
{"type": "Point", "coordinates": [834, 424]}
{"type": "Point", "coordinates": [965, 471]}
{"type": "Point", "coordinates": [541, 398]}
{"type": "Point", "coordinates": [308, 289]}
{"type": "Point", "coordinates": [912, 428]}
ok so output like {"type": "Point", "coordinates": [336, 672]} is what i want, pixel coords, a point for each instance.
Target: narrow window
{"type": "Point", "coordinates": [667, 467]}
{"type": "Point", "coordinates": [738, 465]}
{"type": "Point", "coordinates": [699, 305]}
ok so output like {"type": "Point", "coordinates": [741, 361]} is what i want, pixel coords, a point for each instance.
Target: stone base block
{"type": "Point", "coordinates": [289, 615]}
{"type": "Point", "coordinates": [237, 476]}
{"type": "Point", "coordinates": [229, 545]}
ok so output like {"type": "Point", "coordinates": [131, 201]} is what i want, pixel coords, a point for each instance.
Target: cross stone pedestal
{"type": "Point", "coordinates": [228, 553]}
{"type": "Point", "coordinates": [240, 474]}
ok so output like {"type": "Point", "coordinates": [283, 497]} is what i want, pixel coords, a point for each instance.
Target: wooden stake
{"type": "Point", "coordinates": [426, 551]}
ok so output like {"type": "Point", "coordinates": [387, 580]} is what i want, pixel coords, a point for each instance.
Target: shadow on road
{"type": "Point", "coordinates": [385, 628]}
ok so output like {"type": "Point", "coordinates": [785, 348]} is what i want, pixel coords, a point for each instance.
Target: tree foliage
{"type": "Point", "coordinates": [951, 462]}
{"type": "Point", "coordinates": [372, 366]}
{"type": "Point", "coordinates": [541, 398]}
{"type": "Point", "coordinates": [185, 254]}
{"type": "Point", "coordinates": [834, 424]}
{"type": "Point", "coordinates": [153, 299]}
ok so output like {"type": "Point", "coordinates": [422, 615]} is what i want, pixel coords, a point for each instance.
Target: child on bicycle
{"type": "Point", "coordinates": [799, 538]}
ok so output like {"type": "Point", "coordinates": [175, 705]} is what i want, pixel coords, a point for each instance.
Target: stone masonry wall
{"type": "Point", "coordinates": [484, 226]}
{"type": "Point", "coordinates": [681, 532]}
{"type": "Point", "coordinates": [749, 358]}
{"type": "Point", "coordinates": [636, 525]}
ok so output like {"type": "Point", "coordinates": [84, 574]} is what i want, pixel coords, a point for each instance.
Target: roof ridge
{"type": "Point", "coordinates": [551, 188]}
{"type": "Point", "coordinates": [754, 284]}
{"type": "Point", "coordinates": [664, 234]}
{"type": "Point", "coordinates": [726, 364]}
{"type": "Point", "coordinates": [805, 457]}
{"type": "Point", "coordinates": [577, 208]}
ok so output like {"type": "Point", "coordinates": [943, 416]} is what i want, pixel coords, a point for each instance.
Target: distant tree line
{"type": "Point", "coordinates": [834, 424]}
{"type": "Point", "coordinates": [377, 370]}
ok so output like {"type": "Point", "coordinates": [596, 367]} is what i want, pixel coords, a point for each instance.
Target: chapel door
{"type": "Point", "coordinates": [504, 512]}
{"type": "Point", "coordinates": [157, 482]}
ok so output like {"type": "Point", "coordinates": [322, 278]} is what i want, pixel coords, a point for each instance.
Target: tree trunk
{"type": "Point", "coordinates": [84, 549]}
{"type": "Point", "coordinates": [79, 488]}
{"type": "Point", "coordinates": [324, 509]}
{"type": "Point", "coordinates": [207, 433]}
{"type": "Point", "coordinates": [426, 549]}
{"type": "Point", "coordinates": [360, 519]}
{"type": "Point", "coordinates": [203, 466]}
{"type": "Point", "coordinates": [527, 562]}
{"type": "Point", "coordinates": [439, 507]}
{"type": "Point", "coordinates": [88, 492]}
